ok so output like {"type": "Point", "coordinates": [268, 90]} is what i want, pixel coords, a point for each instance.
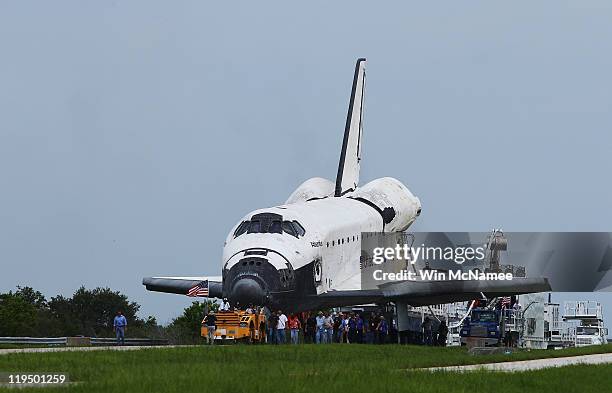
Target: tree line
{"type": "Point", "coordinates": [26, 312]}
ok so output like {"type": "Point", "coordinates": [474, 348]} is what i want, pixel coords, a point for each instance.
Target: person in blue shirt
{"type": "Point", "coordinates": [383, 329]}
{"type": "Point", "coordinates": [359, 325]}
{"type": "Point", "coordinates": [343, 329]}
{"type": "Point", "coordinates": [119, 327]}
{"type": "Point", "coordinates": [352, 329]}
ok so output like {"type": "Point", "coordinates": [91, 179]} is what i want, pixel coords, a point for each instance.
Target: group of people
{"type": "Point", "coordinates": [348, 328]}
{"type": "Point", "coordinates": [278, 323]}
{"type": "Point", "coordinates": [326, 328]}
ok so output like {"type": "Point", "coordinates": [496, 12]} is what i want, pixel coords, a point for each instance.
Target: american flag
{"type": "Point", "coordinates": [200, 290]}
{"type": "Point", "coordinates": [505, 301]}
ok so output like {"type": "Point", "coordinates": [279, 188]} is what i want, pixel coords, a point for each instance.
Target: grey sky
{"type": "Point", "coordinates": [133, 135]}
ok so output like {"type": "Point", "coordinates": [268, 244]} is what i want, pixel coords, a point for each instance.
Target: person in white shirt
{"type": "Point", "coordinates": [321, 335]}
{"type": "Point", "coordinates": [328, 324]}
{"type": "Point", "coordinates": [280, 327]}
{"type": "Point", "coordinates": [225, 306]}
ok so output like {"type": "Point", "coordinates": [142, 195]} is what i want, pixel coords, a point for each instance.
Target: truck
{"type": "Point", "coordinates": [483, 327]}
{"type": "Point", "coordinates": [590, 329]}
{"type": "Point", "coordinates": [238, 326]}
{"type": "Point", "coordinates": [591, 335]}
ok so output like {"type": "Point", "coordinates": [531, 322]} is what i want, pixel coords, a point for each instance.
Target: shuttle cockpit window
{"type": "Point", "coordinates": [242, 228]}
{"type": "Point", "coordinates": [288, 228]}
{"type": "Point", "coordinates": [275, 227]}
{"type": "Point", "coordinates": [299, 228]}
{"type": "Point", "coordinates": [255, 227]}
{"type": "Point", "coordinates": [293, 228]}
{"type": "Point", "coordinates": [269, 223]}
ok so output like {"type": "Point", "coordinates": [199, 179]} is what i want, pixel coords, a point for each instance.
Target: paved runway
{"type": "Point", "coordinates": [69, 349]}
{"type": "Point", "coordinates": [527, 365]}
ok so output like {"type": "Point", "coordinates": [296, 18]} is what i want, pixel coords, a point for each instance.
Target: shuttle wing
{"type": "Point", "coordinates": [348, 169]}
{"type": "Point", "coordinates": [423, 293]}
{"type": "Point", "coordinates": [182, 285]}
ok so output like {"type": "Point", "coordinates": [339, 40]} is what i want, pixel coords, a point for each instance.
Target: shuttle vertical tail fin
{"type": "Point", "coordinates": [348, 169]}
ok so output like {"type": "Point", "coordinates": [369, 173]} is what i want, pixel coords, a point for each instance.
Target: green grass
{"type": "Point", "coordinates": [313, 368]}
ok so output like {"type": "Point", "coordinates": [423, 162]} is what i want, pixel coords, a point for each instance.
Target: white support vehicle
{"type": "Point", "coordinates": [589, 315]}
{"type": "Point", "coordinates": [543, 327]}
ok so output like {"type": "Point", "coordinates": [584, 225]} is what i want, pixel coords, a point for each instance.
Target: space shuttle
{"type": "Point", "coordinates": [305, 254]}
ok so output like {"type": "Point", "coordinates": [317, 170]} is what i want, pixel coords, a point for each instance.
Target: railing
{"type": "Point", "coordinates": [513, 320]}
{"type": "Point", "coordinates": [128, 341]}
{"type": "Point", "coordinates": [96, 341]}
{"type": "Point", "coordinates": [583, 309]}
{"type": "Point", "coordinates": [567, 334]}
{"type": "Point", "coordinates": [33, 340]}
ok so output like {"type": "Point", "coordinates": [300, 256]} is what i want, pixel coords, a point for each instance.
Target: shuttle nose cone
{"type": "Point", "coordinates": [246, 291]}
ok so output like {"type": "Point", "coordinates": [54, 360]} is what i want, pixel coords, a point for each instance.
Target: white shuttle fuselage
{"type": "Point", "coordinates": [312, 244]}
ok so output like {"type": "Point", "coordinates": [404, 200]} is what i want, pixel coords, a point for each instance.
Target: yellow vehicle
{"type": "Point", "coordinates": [238, 326]}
